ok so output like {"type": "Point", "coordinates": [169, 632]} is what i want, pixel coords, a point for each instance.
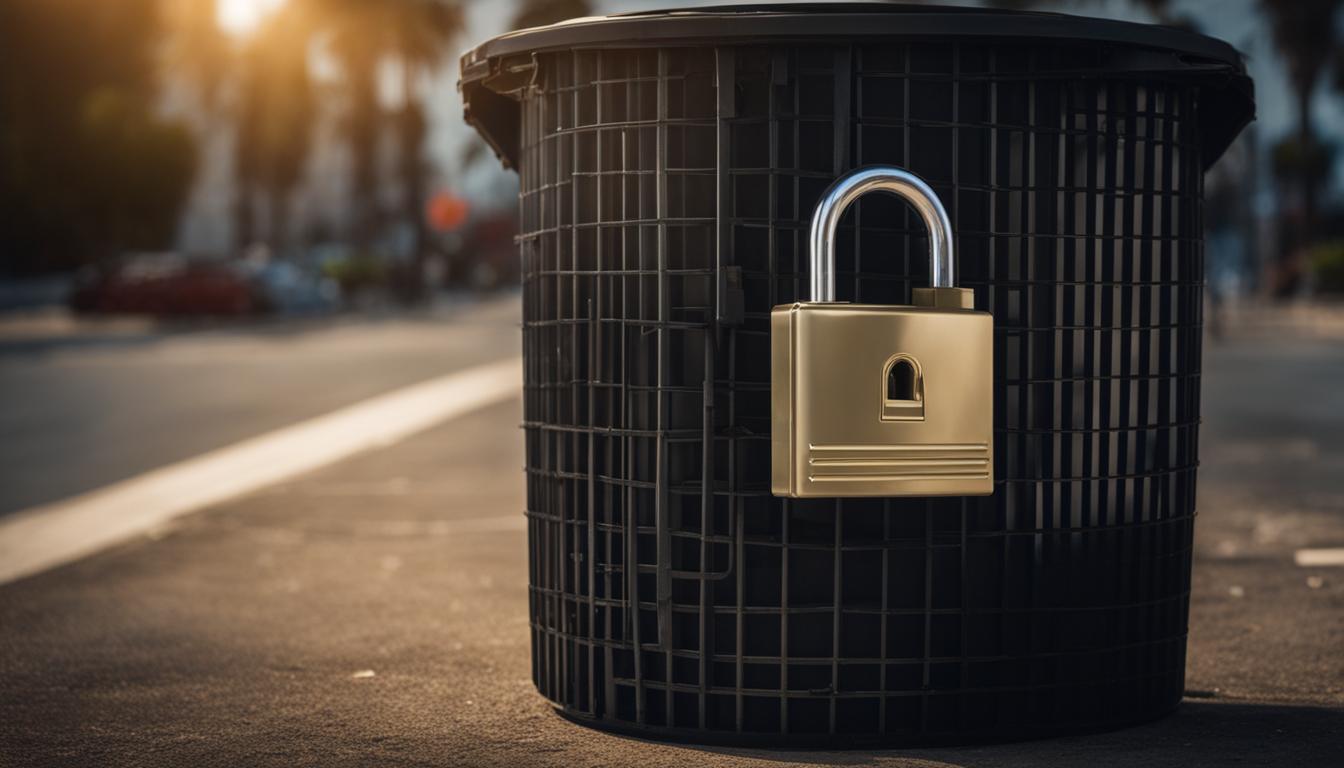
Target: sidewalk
{"type": "Point", "coordinates": [374, 613]}
{"type": "Point", "coordinates": [1310, 319]}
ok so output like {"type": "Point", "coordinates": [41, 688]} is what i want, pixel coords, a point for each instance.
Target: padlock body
{"type": "Point", "coordinates": [842, 425]}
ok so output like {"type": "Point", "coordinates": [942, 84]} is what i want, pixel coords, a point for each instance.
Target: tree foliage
{"type": "Point", "coordinates": [1306, 34]}
{"type": "Point", "coordinates": [538, 13]}
{"type": "Point", "coordinates": [87, 168]}
{"type": "Point", "coordinates": [275, 116]}
{"type": "Point", "coordinates": [362, 35]}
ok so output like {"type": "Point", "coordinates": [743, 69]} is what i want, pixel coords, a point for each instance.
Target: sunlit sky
{"type": "Point", "coordinates": [242, 16]}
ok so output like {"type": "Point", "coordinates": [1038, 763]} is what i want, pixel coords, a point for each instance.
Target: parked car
{"type": "Point", "coordinates": [287, 289]}
{"type": "Point", "coordinates": [164, 284]}
{"type": "Point", "coordinates": [168, 284]}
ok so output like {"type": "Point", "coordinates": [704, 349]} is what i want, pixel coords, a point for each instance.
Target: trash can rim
{"type": "Point", "coordinates": [494, 73]}
{"type": "Point", "coordinates": [771, 22]}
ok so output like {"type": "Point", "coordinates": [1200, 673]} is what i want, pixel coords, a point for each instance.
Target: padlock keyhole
{"type": "Point", "coordinates": [902, 390]}
{"type": "Point", "coordinates": [901, 381]}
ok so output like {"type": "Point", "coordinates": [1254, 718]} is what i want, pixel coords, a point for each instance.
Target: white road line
{"type": "Point", "coordinates": [1319, 558]}
{"type": "Point", "coordinates": [53, 534]}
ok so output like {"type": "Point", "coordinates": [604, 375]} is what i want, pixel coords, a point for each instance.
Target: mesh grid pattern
{"type": "Point", "coordinates": [669, 591]}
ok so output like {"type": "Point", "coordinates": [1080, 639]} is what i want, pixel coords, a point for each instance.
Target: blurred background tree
{"type": "Point", "coordinates": [87, 168]}
{"type": "Point", "coordinates": [365, 35]}
{"type": "Point", "coordinates": [276, 112]}
{"type": "Point", "coordinates": [538, 13]}
{"type": "Point", "coordinates": [1306, 35]}
{"type": "Point", "coordinates": [195, 46]}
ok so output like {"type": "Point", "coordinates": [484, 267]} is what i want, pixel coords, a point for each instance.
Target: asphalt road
{"type": "Point", "coordinates": [374, 613]}
{"type": "Point", "coordinates": [88, 403]}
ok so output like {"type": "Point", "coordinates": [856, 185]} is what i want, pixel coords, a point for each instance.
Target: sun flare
{"type": "Point", "coordinates": [240, 17]}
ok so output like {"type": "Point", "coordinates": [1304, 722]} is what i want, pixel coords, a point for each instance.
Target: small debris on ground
{"type": "Point", "coordinates": [1236, 591]}
{"type": "Point", "coordinates": [364, 673]}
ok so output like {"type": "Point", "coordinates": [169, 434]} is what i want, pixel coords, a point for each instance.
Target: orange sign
{"type": "Point", "coordinates": [446, 212]}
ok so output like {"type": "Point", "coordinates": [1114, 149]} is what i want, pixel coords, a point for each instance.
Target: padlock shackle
{"type": "Point", "coordinates": [878, 178]}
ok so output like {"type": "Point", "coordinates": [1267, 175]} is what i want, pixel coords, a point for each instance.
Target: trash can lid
{"type": "Point", "coordinates": [494, 72]}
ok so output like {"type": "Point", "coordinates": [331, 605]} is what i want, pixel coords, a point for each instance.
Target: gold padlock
{"type": "Point", "coordinates": [881, 400]}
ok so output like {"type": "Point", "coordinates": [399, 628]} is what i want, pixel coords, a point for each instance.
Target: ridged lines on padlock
{"type": "Point", "coordinates": [852, 463]}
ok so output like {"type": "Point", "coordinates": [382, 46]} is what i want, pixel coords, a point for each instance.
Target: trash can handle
{"type": "Point", "coordinates": [878, 178]}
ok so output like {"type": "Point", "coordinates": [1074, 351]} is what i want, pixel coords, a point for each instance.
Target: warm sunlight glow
{"type": "Point", "coordinates": [242, 16]}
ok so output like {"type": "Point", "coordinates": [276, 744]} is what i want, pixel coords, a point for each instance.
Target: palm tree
{"type": "Point", "coordinates": [259, 88]}
{"type": "Point", "coordinates": [197, 47]}
{"type": "Point", "coordinates": [418, 39]}
{"type": "Point", "coordinates": [275, 116]}
{"type": "Point", "coordinates": [362, 35]}
{"type": "Point", "coordinates": [1304, 32]}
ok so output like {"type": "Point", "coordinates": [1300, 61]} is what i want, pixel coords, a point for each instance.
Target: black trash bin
{"type": "Point", "coordinates": [669, 163]}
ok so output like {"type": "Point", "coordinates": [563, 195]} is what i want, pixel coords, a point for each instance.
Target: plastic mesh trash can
{"type": "Point", "coordinates": [669, 163]}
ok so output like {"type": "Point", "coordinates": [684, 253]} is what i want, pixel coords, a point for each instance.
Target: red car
{"type": "Point", "coordinates": [166, 284]}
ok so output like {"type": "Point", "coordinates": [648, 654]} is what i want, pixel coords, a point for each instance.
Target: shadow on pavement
{"type": "Point", "coordinates": [1199, 733]}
